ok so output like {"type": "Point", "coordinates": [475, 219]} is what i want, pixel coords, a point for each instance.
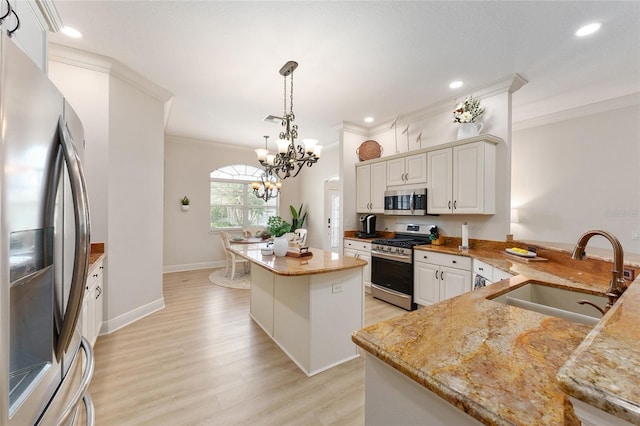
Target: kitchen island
{"type": "Point", "coordinates": [473, 360]}
{"type": "Point", "coordinates": [309, 306]}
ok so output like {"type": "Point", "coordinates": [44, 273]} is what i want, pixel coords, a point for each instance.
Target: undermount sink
{"type": "Point", "coordinates": [557, 302]}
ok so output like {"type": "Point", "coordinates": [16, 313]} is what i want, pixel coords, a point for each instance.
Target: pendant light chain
{"type": "Point", "coordinates": [291, 94]}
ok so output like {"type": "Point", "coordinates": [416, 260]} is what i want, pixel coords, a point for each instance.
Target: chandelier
{"type": "Point", "coordinates": [268, 187]}
{"type": "Point", "coordinates": [290, 157]}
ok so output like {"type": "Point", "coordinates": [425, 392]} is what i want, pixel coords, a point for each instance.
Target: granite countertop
{"type": "Point", "coordinates": [319, 262]}
{"type": "Point", "coordinates": [499, 363]}
{"type": "Point", "coordinates": [96, 254]}
{"type": "Point", "coordinates": [351, 235]}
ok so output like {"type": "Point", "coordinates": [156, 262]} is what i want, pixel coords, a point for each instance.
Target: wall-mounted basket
{"type": "Point", "coordinates": [368, 150]}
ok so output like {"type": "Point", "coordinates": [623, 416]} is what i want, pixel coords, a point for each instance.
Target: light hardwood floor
{"type": "Point", "coordinates": [203, 361]}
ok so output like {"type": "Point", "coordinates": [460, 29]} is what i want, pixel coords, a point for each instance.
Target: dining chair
{"type": "Point", "coordinates": [231, 258]}
{"type": "Point", "coordinates": [301, 236]}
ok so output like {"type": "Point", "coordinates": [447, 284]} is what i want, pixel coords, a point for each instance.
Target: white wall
{"type": "Point", "coordinates": [311, 193]}
{"type": "Point", "coordinates": [134, 242]}
{"type": "Point", "coordinates": [579, 174]}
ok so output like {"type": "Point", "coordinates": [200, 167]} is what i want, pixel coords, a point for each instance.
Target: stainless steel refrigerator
{"type": "Point", "coordinates": [45, 364]}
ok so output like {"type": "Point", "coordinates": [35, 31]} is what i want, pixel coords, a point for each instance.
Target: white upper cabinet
{"type": "Point", "coordinates": [410, 169]}
{"type": "Point", "coordinates": [371, 181]}
{"type": "Point", "coordinates": [31, 37]}
{"type": "Point", "coordinates": [462, 179]}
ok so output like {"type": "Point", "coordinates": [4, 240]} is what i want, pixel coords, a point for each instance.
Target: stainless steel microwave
{"type": "Point", "coordinates": [406, 202]}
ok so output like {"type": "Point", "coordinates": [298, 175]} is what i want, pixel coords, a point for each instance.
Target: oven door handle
{"type": "Point", "coordinates": [391, 256]}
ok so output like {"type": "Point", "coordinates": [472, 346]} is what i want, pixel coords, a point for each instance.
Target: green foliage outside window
{"type": "Point", "coordinates": [233, 204]}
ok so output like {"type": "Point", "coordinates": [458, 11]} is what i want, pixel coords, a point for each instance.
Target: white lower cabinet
{"type": "Point", "coordinates": [360, 250]}
{"type": "Point", "coordinates": [92, 307]}
{"type": "Point", "coordinates": [439, 276]}
{"type": "Point", "coordinates": [490, 273]}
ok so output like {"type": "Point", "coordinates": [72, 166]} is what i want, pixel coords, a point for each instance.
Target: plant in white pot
{"type": "Point", "coordinates": [185, 203]}
{"type": "Point", "coordinates": [277, 227]}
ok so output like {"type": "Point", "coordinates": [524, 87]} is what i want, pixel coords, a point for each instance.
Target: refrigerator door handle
{"type": "Point", "coordinates": [82, 241]}
{"type": "Point", "coordinates": [81, 391]}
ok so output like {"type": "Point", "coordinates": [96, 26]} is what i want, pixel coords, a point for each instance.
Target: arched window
{"type": "Point", "coordinates": [233, 204]}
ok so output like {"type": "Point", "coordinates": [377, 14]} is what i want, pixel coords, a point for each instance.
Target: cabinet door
{"type": "Point", "coordinates": [31, 37]}
{"type": "Point", "coordinates": [426, 283]}
{"type": "Point", "coordinates": [468, 178]}
{"type": "Point", "coordinates": [87, 317]}
{"type": "Point", "coordinates": [98, 299]}
{"type": "Point", "coordinates": [395, 171]}
{"type": "Point", "coordinates": [416, 168]}
{"type": "Point", "coordinates": [453, 282]}
{"type": "Point", "coordinates": [363, 189]}
{"type": "Point", "coordinates": [366, 271]}
{"type": "Point", "coordinates": [378, 179]}
{"type": "Point", "coordinates": [440, 181]}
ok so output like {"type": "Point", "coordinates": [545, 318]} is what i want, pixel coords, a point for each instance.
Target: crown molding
{"type": "Point", "coordinates": [509, 84]}
{"type": "Point", "coordinates": [50, 14]}
{"type": "Point", "coordinates": [351, 128]}
{"type": "Point", "coordinates": [94, 62]}
{"type": "Point", "coordinates": [632, 99]}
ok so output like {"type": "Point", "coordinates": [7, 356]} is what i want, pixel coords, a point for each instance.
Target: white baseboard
{"type": "Point", "coordinates": [131, 316]}
{"type": "Point", "coordinates": [194, 266]}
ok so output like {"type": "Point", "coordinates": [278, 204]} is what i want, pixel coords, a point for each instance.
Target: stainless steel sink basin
{"type": "Point", "coordinates": [557, 302]}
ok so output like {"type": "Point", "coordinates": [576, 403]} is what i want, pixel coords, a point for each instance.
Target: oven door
{"type": "Point", "coordinates": [392, 281]}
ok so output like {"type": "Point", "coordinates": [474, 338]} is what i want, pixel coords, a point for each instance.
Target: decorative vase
{"type": "Point", "coordinates": [185, 207]}
{"type": "Point", "coordinates": [468, 130]}
{"type": "Point", "coordinates": [280, 246]}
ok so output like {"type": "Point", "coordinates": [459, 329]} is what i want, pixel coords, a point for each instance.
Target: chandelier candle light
{"type": "Point", "coordinates": [269, 186]}
{"type": "Point", "coordinates": [290, 157]}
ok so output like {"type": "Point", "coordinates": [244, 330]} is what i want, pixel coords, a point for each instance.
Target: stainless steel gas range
{"type": "Point", "coordinates": [392, 264]}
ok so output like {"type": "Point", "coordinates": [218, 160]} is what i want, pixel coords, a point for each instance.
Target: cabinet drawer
{"type": "Point", "coordinates": [482, 268]}
{"type": "Point", "coordinates": [357, 245]}
{"type": "Point", "coordinates": [442, 259]}
{"type": "Point", "coordinates": [499, 275]}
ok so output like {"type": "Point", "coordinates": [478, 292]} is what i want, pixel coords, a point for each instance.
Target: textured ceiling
{"type": "Point", "coordinates": [221, 59]}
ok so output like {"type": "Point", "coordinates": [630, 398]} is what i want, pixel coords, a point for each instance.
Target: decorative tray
{"type": "Point", "coordinates": [369, 150]}
{"type": "Point", "coordinates": [298, 252]}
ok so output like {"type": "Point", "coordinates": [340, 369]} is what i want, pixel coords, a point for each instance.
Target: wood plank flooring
{"type": "Point", "coordinates": [203, 361]}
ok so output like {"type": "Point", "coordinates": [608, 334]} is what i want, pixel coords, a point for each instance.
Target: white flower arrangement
{"type": "Point", "coordinates": [467, 111]}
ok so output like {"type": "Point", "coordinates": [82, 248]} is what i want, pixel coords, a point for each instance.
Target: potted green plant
{"type": "Point", "coordinates": [185, 203]}
{"type": "Point", "coordinates": [277, 227]}
{"type": "Point", "coordinates": [298, 218]}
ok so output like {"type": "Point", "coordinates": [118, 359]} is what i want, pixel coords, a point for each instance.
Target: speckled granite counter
{"type": "Point", "coordinates": [498, 363]}
{"type": "Point", "coordinates": [320, 262]}
{"type": "Point", "coordinates": [605, 369]}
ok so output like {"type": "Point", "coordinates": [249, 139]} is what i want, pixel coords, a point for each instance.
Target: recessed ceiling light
{"type": "Point", "coordinates": [455, 84]}
{"type": "Point", "coordinates": [588, 29]}
{"type": "Point", "coordinates": [368, 119]}
{"type": "Point", "coordinates": [71, 32]}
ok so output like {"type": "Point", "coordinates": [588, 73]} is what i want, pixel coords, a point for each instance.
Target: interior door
{"type": "Point", "coordinates": [332, 237]}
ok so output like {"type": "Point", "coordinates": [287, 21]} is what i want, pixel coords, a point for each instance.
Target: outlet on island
{"type": "Point", "coordinates": [336, 288]}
